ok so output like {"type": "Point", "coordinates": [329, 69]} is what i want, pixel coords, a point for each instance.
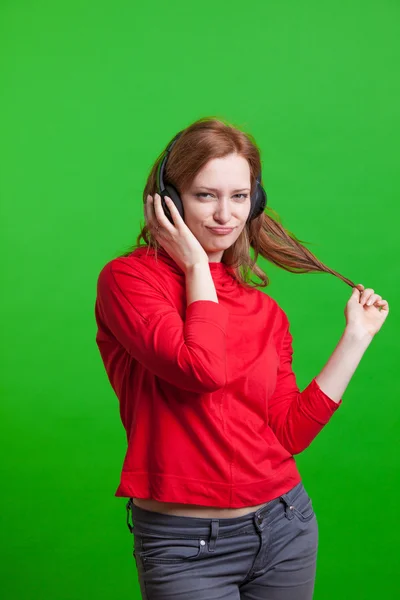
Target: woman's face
{"type": "Point", "coordinates": [218, 197]}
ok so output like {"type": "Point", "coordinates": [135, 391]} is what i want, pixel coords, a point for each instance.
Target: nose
{"type": "Point", "coordinates": [223, 211]}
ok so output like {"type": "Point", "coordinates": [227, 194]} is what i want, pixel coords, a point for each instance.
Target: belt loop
{"type": "Point", "coordinates": [129, 507]}
{"type": "Point", "coordinates": [288, 506]}
{"type": "Point", "coordinates": [214, 534]}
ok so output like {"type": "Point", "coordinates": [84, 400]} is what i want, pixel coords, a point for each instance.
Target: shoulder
{"type": "Point", "coordinates": [280, 311]}
{"type": "Point", "coordinates": [134, 264]}
{"type": "Point", "coordinates": [126, 272]}
{"type": "Point", "coordinates": [274, 309]}
{"type": "Point", "coordinates": [121, 264]}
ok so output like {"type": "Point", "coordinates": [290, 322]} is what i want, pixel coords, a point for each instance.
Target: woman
{"type": "Point", "coordinates": [200, 361]}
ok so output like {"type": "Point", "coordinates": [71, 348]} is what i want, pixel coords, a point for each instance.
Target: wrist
{"type": "Point", "coordinates": [195, 267]}
{"type": "Point", "coordinates": [352, 334]}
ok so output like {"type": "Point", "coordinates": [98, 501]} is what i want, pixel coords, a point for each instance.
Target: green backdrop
{"type": "Point", "coordinates": [91, 94]}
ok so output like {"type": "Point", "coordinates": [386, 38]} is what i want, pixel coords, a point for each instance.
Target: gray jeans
{"type": "Point", "coordinates": [269, 554]}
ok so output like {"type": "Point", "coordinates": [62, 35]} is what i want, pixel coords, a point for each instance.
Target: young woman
{"type": "Point", "coordinates": [200, 361]}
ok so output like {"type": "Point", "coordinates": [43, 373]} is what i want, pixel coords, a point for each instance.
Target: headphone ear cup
{"type": "Point", "coordinates": [258, 202]}
{"type": "Point", "coordinates": [262, 199]}
{"type": "Point", "coordinates": [172, 193]}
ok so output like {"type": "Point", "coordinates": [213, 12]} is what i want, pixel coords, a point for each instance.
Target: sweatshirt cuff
{"type": "Point", "coordinates": [208, 311]}
{"type": "Point", "coordinates": [320, 404]}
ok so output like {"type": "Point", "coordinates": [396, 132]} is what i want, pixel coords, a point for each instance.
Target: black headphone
{"type": "Point", "coordinates": [258, 199]}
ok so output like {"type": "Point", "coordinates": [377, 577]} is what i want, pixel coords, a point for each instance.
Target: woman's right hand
{"type": "Point", "coordinates": [177, 240]}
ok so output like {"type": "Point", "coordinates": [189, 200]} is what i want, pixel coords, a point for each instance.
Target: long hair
{"type": "Point", "coordinates": [209, 138]}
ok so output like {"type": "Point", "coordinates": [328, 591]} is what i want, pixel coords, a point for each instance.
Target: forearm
{"type": "Point", "coordinates": [336, 374]}
{"type": "Point", "coordinates": [200, 284]}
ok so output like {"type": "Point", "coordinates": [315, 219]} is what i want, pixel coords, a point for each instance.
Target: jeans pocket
{"type": "Point", "coordinates": [165, 550]}
{"type": "Point", "coordinates": [303, 508]}
{"type": "Point", "coordinates": [300, 504]}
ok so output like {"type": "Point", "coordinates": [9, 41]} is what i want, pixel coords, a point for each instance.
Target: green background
{"type": "Point", "coordinates": [91, 94]}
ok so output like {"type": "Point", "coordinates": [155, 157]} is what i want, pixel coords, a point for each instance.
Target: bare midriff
{"type": "Point", "coordinates": [194, 510]}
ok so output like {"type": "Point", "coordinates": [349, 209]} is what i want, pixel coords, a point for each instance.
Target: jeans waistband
{"type": "Point", "coordinates": [202, 526]}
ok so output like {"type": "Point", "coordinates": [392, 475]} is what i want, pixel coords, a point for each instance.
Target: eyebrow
{"type": "Point", "coordinates": [204, 187]}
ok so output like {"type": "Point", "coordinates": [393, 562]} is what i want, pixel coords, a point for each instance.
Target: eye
{"type": "Point", "coordinates": [208, 194]}
{"type": "Point", "coordinates": [203, 194]}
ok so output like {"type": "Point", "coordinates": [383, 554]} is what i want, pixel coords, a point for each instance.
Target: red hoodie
{"type": "Point", "coordinates": [207, 395]}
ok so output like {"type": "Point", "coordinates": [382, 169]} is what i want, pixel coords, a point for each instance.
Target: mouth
{"type": "Point", "coordinates": [221, 230]}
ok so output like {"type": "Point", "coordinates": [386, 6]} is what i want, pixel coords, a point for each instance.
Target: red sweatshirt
{"type": "Point", "coordinates": [207, 395]}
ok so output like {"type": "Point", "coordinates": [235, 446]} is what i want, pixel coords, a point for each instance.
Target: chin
{"type": "Point", "coordinates": [220, 244]}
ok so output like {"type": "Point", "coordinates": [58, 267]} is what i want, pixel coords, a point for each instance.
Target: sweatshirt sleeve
{"type": "Point", "coordinates": [190, 353]}
{"type": "Point", "coordinates": [297, 417]}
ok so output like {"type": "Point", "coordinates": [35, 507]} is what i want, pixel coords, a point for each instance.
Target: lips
{"type": "Point", "coordinates": [220, 229]}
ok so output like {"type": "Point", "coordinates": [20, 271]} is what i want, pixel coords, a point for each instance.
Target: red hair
{"type": "Point", "coordinates": [209, 138]}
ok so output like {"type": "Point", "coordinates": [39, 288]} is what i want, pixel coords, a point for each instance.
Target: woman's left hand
{"type": "Point", "coordinates": [365, 311]}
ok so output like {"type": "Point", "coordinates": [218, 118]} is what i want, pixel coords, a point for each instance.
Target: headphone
{"type": "Point", "coordinates": [258, 199]}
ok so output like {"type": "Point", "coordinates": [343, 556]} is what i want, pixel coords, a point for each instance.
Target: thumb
{"type": "Point", "coordinates": [356, 292]}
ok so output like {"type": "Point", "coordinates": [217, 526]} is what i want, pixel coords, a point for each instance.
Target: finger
{"type": "Point", "coordinates": [365, 295]}
{"type": "Point", "coordinates": [175, 214]}
{"type": "Point", "coordinates": [161, 216]}
{"type": "Point", "coordinates": [356, 295]}
{"type": "Point", "coordinates": [373, 299]}
{"type": "Point", "coordinates": [152, 224]}
{"type": "Point", "coordinates": [149, 211]}
{"type": "Point", "coordinates": [357, 291]}
{"type": "Point", "coordinates": [383, 305]}
{"type": "Point", "coordinates": [146, 208]}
